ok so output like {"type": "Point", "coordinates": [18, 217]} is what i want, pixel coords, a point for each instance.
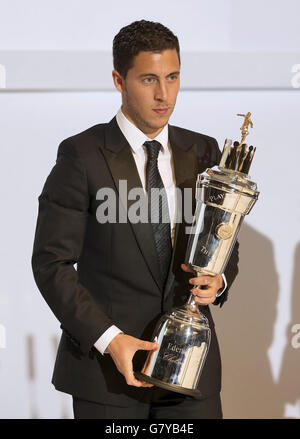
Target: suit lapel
{"type": "Point", "coordinates": [122, 167]}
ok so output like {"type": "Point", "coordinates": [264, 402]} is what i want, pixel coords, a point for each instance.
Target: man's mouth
{"type": "Point", "coordinates": [160, 110]}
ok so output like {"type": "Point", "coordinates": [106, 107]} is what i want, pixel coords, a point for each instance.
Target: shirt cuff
{"type": "Point", "coordinates": [225, 286]}
{"type": "Point", "coordinates": [107, 336]}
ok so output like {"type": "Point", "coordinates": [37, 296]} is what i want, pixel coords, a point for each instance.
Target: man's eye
{"type": "Point", "coordinates": [148, 80]}
{"type": "Point", "coordinates": [172, 77]}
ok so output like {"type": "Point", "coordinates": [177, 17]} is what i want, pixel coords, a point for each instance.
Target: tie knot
{"type": "Point", "coordinates": [153, 148]}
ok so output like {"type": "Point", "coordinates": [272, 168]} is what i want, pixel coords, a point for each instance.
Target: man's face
{"type": "Point", "coordinates": [150, 89]}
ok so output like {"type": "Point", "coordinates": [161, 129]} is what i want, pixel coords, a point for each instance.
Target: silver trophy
{"type": "Point", "coordinates": [224, 194]}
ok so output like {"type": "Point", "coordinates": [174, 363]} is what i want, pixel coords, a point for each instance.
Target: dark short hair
{"type": "Point", "coordinates": [141, 36]}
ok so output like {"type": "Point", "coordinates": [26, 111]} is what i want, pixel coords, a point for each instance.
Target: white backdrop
{"type": "Point", "coordinates": [39, 108]}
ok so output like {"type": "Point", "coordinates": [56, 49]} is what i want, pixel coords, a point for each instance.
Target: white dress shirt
{"type": "Point", "coordinates": [136, 139]}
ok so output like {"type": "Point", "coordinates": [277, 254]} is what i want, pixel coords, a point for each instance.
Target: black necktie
{"type": "Point", "coordinates": [158, 208]}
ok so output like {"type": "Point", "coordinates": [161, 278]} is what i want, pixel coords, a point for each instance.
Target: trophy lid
{"type": "Point", "coordinates": [234, 180]}
{"type": "Point", "coordinates": [237, 157]}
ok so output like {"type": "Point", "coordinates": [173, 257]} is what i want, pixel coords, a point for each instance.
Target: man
{"type": "Point", "coordinates": [128, 273]}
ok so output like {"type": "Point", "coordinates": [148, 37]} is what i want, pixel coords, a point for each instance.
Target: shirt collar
{"type": "Point", "coordinates": [136, 138]}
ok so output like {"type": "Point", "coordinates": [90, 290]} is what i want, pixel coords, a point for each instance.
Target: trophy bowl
{"type": "Point", "coordinates": [183, 336]}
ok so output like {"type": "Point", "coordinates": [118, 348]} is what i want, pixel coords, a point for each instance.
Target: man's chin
{"type": "Point", "coordinates": [150, 126]}
{"type": "Point", "coordinates": [159, 123]}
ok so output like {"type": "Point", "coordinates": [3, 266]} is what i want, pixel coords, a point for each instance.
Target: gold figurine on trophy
{"type": "Point", "coordinates": [244, 127]}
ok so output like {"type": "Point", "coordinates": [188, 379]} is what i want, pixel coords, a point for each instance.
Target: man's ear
{"type": "Point", "coordinates": [118, 81]}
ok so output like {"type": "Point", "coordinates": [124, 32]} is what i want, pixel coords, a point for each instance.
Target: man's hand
{"type": "Point", "coordinates": [122, 349]}
{"type": "Point", "coordinates": [211, 285]}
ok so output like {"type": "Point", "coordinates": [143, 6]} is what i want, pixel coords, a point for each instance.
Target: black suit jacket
{"type": "Point", "coordinates": [117, 280]}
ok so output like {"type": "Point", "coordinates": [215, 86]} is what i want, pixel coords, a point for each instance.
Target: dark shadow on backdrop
{"type": "Point", "coordinates": [289, 380]}
{"type": "Point", "coordinates": [245, 330]}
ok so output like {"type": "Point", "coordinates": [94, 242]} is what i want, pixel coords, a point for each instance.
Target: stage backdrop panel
{"type": "Point", "coordinates": [55, 81]}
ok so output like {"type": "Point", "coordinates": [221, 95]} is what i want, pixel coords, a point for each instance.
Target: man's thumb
{"type": "Point", "coordinates": [148, 345]}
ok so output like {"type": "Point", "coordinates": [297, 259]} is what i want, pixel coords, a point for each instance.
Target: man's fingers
{"type": "Point", "coordinates": [127, 370]}
{"type": "Point", "coordinates": [187, 268]}
{"type": "Point", "coordinates": [122, 348]}
{"type": "Point", "coordinates": [204, 294]}
{"type": "Point", "coordinates": [132, 381]}
{"type": "Point", "coordinates": [205, 301]}
{"type": "Point", "coordinates": [202, 280]}
{"type": "Point", "coordinates": [207, 283]}
{"type": "Point", "coordinates": [204, 297]}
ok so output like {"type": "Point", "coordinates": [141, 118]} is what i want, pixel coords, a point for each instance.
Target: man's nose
{"type": "Point", "coordinates": [161, 92]}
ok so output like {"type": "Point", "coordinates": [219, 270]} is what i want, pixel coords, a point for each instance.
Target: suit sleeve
{"type": "Point", "coordinates": [59, 237]}
{"type": "Point", "coordinates": [231, 269]}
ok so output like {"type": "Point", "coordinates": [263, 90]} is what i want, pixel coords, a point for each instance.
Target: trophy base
{"type": "Point", "coordinates": [191, 392]}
